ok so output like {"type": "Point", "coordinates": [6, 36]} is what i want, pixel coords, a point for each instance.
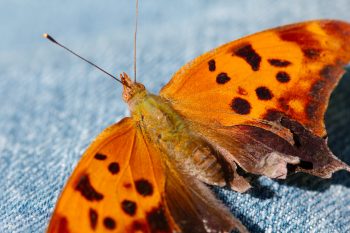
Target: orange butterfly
{"type": "Point", "coordinates": [255, 105]}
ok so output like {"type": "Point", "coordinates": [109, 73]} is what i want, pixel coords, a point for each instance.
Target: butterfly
{"type": "Point", "coordinates": [252, 106]}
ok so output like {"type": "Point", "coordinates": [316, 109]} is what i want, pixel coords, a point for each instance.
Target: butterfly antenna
{"type": "Point", "coordinates": [135, 37]}
{"type": "Point", "coordinates": [50, 38]}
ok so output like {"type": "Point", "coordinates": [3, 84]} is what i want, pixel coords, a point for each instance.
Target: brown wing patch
{"type": "Point", "coordinates": [270, 154]}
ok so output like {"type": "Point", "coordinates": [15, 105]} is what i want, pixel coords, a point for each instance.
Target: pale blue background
{"type": "Point", "coordinates": [53, 105]}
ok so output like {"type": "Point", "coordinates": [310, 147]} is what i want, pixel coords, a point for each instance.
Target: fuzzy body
{"type": "Point", "coordinates": [166, 129]}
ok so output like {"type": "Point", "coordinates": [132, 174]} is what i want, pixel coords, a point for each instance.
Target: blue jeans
{"type": "Point", "coordinates": [53, 105]}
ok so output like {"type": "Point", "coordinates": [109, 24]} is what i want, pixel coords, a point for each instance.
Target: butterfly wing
{"type": "Point", "coordinates": [121, 184]}
{"type": "Point", "coordinates": [278, 80]}
{"type": "Point", "coordinates": [116, 186]}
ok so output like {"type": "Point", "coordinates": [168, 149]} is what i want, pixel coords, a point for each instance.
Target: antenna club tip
{"type": "Point", "coordinates": [47, 36]}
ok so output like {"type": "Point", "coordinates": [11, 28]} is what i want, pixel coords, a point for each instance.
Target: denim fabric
{"type": "Point", "coordinates": [53, 105]}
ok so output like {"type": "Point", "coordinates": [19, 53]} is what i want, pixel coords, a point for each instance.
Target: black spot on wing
{"type": "Point", "coordinates": [282, 77]}
{"type": "Point", "coordinates": [157, 220]}
{"type": "Point", "coordinates": [263, 93]}
{"type": "Point", "coordinates": [109, 223]}
{"type": "Point", "coordinates": [311, 53]}
{"type": "Point", "coordinates": [144, 187]}
{"type": "Point", "coordinates": [249, 55]}
{"type": "Point", "coordinates": [279, 62]}
{"type": "Point", "coordinates": [93, 216]}
{"type": "Point", "coordinates": [87, 190]}
{"type": "Point", "coordinates": [240, 106]}
{"type": "Point", "coordinates": [129, 207]}
{"type": "Point", "coordinates": [212, 66]}
{"type": "Point", "coordinates": [222, 78]}
{"type": "Point", "coordinates": [113, 168]}
{"type": "Point", "coordinates": [100, 156]}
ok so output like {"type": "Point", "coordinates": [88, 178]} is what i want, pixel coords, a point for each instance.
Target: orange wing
{"type": "Point", "coordinates": [121, 184]}
{"type": "Point", "coordinates": [261, 100]}
{"type": "Point", "coordinates": [291, 69]}
{"type": "Point", "coordinates": [116, 186]}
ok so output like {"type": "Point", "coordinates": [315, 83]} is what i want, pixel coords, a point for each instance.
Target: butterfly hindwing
{"type": "Point", "coordinates": [278, 81]}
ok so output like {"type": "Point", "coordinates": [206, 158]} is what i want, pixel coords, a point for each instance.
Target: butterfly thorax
{"type": "Point", "coordinates": [168, 131]}
{"type": "Point", "coordinates": [131, 89]}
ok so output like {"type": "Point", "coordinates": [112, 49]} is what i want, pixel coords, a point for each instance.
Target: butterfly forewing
{"type": "Point", "coordinates": [290, 69]}
{"type": "Point", "coordinates": [116, 186]}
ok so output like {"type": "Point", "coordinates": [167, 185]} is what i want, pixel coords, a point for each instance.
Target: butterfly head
{"type": "Point", "coordinates": [131, 88]}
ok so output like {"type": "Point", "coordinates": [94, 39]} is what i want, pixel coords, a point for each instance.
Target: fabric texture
{"type": "Point", "coordinates": [53, 105]}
